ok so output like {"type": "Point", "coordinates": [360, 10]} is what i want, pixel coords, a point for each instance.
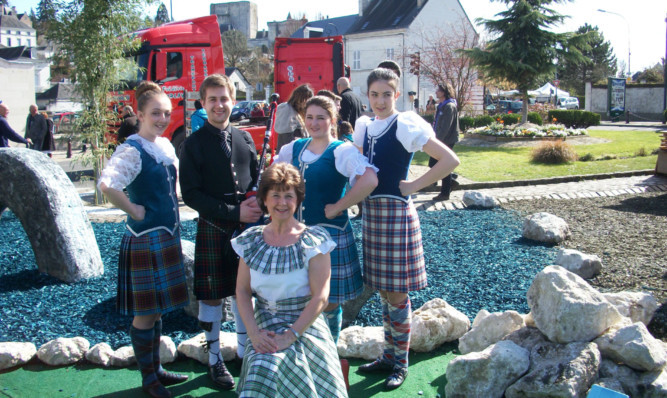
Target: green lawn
{"type": "Point", "coordinates": [506, 164]}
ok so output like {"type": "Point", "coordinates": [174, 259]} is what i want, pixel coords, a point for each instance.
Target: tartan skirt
{"type": "Point", "coordinates": [151, 276]}
{"type": "Point", "coordinates": [346, 281]}
{"type": "Point", "coordinates": [392, 245]}
{"type": "Point", "coordinates": [310, 367]}
{"type": "Point", "coordinates": [216, 262]}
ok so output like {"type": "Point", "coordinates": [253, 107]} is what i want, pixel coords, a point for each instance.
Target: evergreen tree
{"type": "Point", "coordinates": [162, 15]}
{"type": "Point", "coordinates": [599, 62]}
{"type": "Point", "coordinates": [524, 51]}
{"type": "Point", "coordinates": [94, 36]}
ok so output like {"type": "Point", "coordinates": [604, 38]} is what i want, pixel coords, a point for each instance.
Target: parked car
{"type": "Point", "coordinates": [508, 106]}
{"type": "Point", "coordinates": [242, 110]}
{"type": "Point", "coordinates": [568, 103]}
{"type": "Point", "coordinates": [64, 122]}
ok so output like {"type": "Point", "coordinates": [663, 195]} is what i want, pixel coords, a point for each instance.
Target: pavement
{"type": "Point", "coordinates": [562, 188]}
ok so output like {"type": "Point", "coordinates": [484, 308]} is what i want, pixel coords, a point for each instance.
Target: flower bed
{"type": "Point", "coordinates": [549, 131]}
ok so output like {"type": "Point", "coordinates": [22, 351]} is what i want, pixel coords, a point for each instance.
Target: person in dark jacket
{"type": "Point", "coordinates": [129, 125]}
{"type": "Point", "coordinates": [35, 128]}
{"type": "Point", "coordinates": [48, 145]}
{"type": "Point", "coordinates": [350, 104]}
{"type": "Point", "coordinates": [6, 132]}
{"type": "Point", "coordinates": [446, 126]}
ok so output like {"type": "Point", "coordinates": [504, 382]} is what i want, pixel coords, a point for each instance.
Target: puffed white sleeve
{"type": "Point", "coordinates": [360, 130]}
{"type": "Point", "coordinates": [285, 154]}
{"type": "Point", "coordinates": [413, 131]}
{"type": "Point", "coordinates": [123, 167]}
{"type": "Point", "coordinates": [350, 162]}
{"type": "Point", "coordinates": [316, 240]}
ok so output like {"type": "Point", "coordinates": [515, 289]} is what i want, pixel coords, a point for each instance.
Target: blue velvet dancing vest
{"type": "Point", "coordinates": [155, 189]}
{"type": "Point", "coordinates": [324, 185]}
{"type": "Point", "coordinates": [386, 152]}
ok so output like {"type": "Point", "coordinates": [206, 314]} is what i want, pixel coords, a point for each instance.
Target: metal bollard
{"type": "Point", "coordinates": [627, 117]}
{"type": "Point", "coordinates": [69, 148]}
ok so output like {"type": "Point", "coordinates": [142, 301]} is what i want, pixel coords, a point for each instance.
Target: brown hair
{"type": "Point", "coordinates": [383, 74]}
{"type": "Point", "coordinates": [298, 98]}
{"type": "Point", "coordinates": [146, 91]}
{"type": "Point", "coordinates": [329, 107]}
{"type": "Point", "coordinates": [344, 128]}
{"type": "Point", "coordinates": [447, 89]}
{"type": "Point", "coordinates": [217, 80]}
{"type": "Point", "coordinates": [280, 177]}
{"type": "Point", "coordinates": [329, 94]}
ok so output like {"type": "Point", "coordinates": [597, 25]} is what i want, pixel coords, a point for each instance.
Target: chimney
{"type": "Point", "coordinates": [363, 4]}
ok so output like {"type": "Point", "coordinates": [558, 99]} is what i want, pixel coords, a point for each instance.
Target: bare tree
{"type": "Point", "coordinates": [441, 62]}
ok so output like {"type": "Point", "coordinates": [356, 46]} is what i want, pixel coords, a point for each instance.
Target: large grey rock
{"type": "Point", "coordinates": [584, 265]}
{"type": "Point", "coordinates": [361, 342]}
{"type": "Point", "coordinates": [100, 354]}
{"type": "Point", "coordinates": [527, 337]}
{"type": "Point", "coordinates": [556, 370]}
{"type": "Point", "coordinates": [15, 354]}
{"type": "Point", "coordinates": [63, 351]}
{"type": "Point", "coordinates": [628, 378]}
{"type": "Point", "coordinates": [486, 373]}
{"type": "Point", "coordinates": [188, 249]}
{"type": "Point", "coordinates": [490, 330]}
{"type": "Point", "coordinates": [634, 346]}
{"type": "Point", "coordinates": [352, 307]}
{"type": "Point", "coordinates": [41, 195]}
{"type": "Point", "coordinates": [638, 306]}
{"type": "Point", "coordinates": [566, 308]}
{"type": "Point", "coordinates": [653, 384]}
{"type": "Point", "coordinates": [195, 347]}
{"type": "Point", "coordinates": [545, 227]}
{"type": "Point", "coordinates": [435, 323]}
{"type": "Point", "coordinates": [478, 200]}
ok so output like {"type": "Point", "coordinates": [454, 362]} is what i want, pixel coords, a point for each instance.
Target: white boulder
{"type": "Point", "coordinates": [435, 323]}
{"type": "Point", "coordinates": [556, 370]}
{"type": "Point", "coordinates": [63, 351]}
{"type": "Point", "coordinates": [527, 337]}
{"type": "Point", "coordinates": [486, 373]}
{"type": "Point", "coordinates": [490, 330]}
{"type": "Point", "coordinates": [15, 354]}
{"type": "Point", "coordinates": [634, 346]}
{"type": "Point", "coordinates": [194, 347]}
{"type": "Point", "coordinates": [545, 227]}
{"type": "Point", "coordinates": [566, 308]}
{"type": "Point", "coordinates": [188, 250]}
{"type": "Point", "coordinates": [361, 342]}
{"type": "Point", "coordinates": [481, 314]}
{"type": "Point", "coordinates": [100, 354]}
{"type": "Point", "coordinates": [638, 306]}
{"type": "Point", "coordinates": [168, 352]}
{"type": "Point", "coordinates": [653, 384]}
{"type": "Point", "coordinates": [478, 200]}
{"type": "Point", "coordinates": [584, 265]}
{"type": "Point", "coordinates": [123, 357]}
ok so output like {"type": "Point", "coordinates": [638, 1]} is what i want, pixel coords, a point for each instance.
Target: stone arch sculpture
{"type": "Point", "coordinates": [44, 199]}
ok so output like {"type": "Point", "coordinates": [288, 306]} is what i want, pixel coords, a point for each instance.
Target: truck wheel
{"type": "Point", "coordinates": [177, 141]}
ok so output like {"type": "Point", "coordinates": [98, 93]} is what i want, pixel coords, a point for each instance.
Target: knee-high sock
{"type": "Point", "coordinates": [211, 314]}
{"type": "Point", "coordinates": [335, 320]}
{"type": "Point", "coordinates": [241, 332]}
{"type": "Point", "coordinates": [388, 354]}
{"type": "Point", "coordinates": [142, 343]}
{"type": "Point", "coordinates": [401, 317]}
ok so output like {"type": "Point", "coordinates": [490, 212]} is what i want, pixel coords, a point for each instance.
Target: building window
{"type": "Point", "coordinates": [356, 60]}
{"type": "Point", "coordinates": [29, 44]}
{"type": "Point", "coordinates": [390, 53]}
{"type": "Point", "coordinates": [9, 42]}
{"type": "Point", "coordinates": [9, 32]}
{"type": "Point", "coordinates": [18, 42]}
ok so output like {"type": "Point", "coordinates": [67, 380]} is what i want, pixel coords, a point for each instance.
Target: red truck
{"type": "Point", "coordinates": [180, 55]}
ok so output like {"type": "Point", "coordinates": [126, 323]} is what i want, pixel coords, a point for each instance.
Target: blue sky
{"type": "Point", "coordinates": [645, 19]}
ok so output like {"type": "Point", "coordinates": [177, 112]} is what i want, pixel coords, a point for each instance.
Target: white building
{"type": "Point", "coordinates": [392, 29]}
{"type": "Point", "coordinates": [15, 33]}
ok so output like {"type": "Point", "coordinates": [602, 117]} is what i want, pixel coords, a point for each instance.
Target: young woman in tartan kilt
{"type": "Point", "coordinates": [392, 243]}
{"type": "Point", "coordinates": [326, 165]}
{"type": "Point", "coordinates": [151, 276]}
{"type": "Point", "coordinates": [286, 266]}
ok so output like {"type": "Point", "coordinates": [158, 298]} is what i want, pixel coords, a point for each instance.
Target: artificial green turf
{"type": "Point", "coordinates": [483, 164]}
{"type": "Point", "coordinates": [427, 374]}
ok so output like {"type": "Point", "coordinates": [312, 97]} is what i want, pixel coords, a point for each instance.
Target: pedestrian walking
{"type": "Point", "coordinates": [7, 133]}
{"type": "Point", "coordinates": [35, 128]}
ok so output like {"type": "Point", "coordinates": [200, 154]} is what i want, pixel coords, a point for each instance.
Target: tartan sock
{"type": "Point", "coordinates": [335, 320]}
{"type": "Point", "coordinates": [156, 346]}
{"type": "Point", "coordinates": [401, 317]}
{"type": "Point", "coordinates": [142, 343]}
{"type": "Point", "coordinates": [212, 314]}
{"type": "Point", "coordinates": [388, 354]}
{"type": "Point", "coordinates": [241, 332]}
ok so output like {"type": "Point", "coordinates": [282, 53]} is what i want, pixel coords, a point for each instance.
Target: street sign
{"type": "Point", "coordinates": [556, 83]}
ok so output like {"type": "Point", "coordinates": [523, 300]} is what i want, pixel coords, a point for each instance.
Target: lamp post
{"type": "Point", "coordinates": [628, 25]}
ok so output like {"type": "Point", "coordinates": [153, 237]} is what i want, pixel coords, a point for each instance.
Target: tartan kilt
{"type": "Point", "coordinates": [216, 262]}
{"type": "Point", "coordinates": [346, 281]}
{"type": "Point", "coordinates": [310, 367]}
{"type": "Point", "coordinates": [392, 245]}
{"type": "Point", "coordinates": [151, 275]}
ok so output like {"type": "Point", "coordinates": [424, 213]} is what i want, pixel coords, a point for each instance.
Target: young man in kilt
{"type": "Point", "coordinates": [218, 167]}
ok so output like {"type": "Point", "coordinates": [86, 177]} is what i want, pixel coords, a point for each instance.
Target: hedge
{"type": "Point", "coordinates": [510, 118]}
{"type": "Point", "coordinates": [535, 118]}
{"type": "Point", "coordinates": [575, 118]}
{"type": "Point", "coordinates": [466, 122]}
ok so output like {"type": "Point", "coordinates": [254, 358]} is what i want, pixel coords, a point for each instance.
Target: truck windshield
{"type": "Point", "coordinates": [134, 68]}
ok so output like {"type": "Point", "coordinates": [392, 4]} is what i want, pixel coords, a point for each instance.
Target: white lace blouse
{"type": "Point", "coordinates": [125, 164]}
{"type": "Point", "coordinates": [412, 131]}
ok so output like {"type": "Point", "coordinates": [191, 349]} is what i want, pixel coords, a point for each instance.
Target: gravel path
{"type": "Point", "coordinates": [629, 234]}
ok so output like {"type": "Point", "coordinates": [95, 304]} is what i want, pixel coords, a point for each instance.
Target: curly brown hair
{"type": "Point", "coordinates": [280, 177]}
